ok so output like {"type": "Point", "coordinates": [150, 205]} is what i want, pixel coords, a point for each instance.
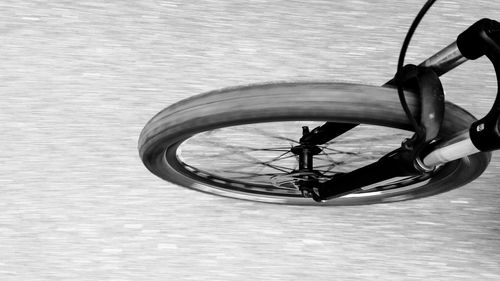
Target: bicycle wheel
{"type": "Point", "coordinates": [237, 142]}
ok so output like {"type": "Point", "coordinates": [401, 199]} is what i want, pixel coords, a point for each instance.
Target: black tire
{"type": "Point", "coordinates": [340, 102]}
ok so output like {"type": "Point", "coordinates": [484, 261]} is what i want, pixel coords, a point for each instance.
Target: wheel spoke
{"type": "Point", "coordinates": [337, 151]}
{"type": "Point", "coordinates": [242, 149]}
{"type": "Point", "coordinates": [280, 157]}
{"type": "Point", "coordinates": [352, 136]}
{"type": "Point", "coordinates": [264, 133]}
{"type": "Point", "coordinates": [255, 155]}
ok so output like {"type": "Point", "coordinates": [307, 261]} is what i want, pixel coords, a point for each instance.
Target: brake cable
{"type": "Point", "coordinates": [418, 129]}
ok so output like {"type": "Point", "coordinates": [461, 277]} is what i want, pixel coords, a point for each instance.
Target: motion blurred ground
{"type": "Point", "coordinates": [80, 79]}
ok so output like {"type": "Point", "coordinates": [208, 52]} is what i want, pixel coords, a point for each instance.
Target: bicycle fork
{"type": "Point", "coordinates": [413, 158]}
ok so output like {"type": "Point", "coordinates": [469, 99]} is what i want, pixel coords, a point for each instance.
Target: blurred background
{"type": "Point", "coordinates": [79, 79]}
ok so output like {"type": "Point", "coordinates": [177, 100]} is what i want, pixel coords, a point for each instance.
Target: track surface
{"type": "Point", "coordinates": [79, 79]}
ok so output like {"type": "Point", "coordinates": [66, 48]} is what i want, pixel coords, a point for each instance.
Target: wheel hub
{"type": "Point", "coordinates": [306, 151]}
{"type": "Point", "coordinates": [306, 178]}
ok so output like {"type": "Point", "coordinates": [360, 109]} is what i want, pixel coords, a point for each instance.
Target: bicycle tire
{"type": "Point", "coordinates": [287, 101]}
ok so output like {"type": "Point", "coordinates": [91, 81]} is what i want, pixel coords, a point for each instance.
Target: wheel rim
{"type": "Point", "coordinates": [256, 159]}
{"type": "Point", "coordinates": [337, 102]}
